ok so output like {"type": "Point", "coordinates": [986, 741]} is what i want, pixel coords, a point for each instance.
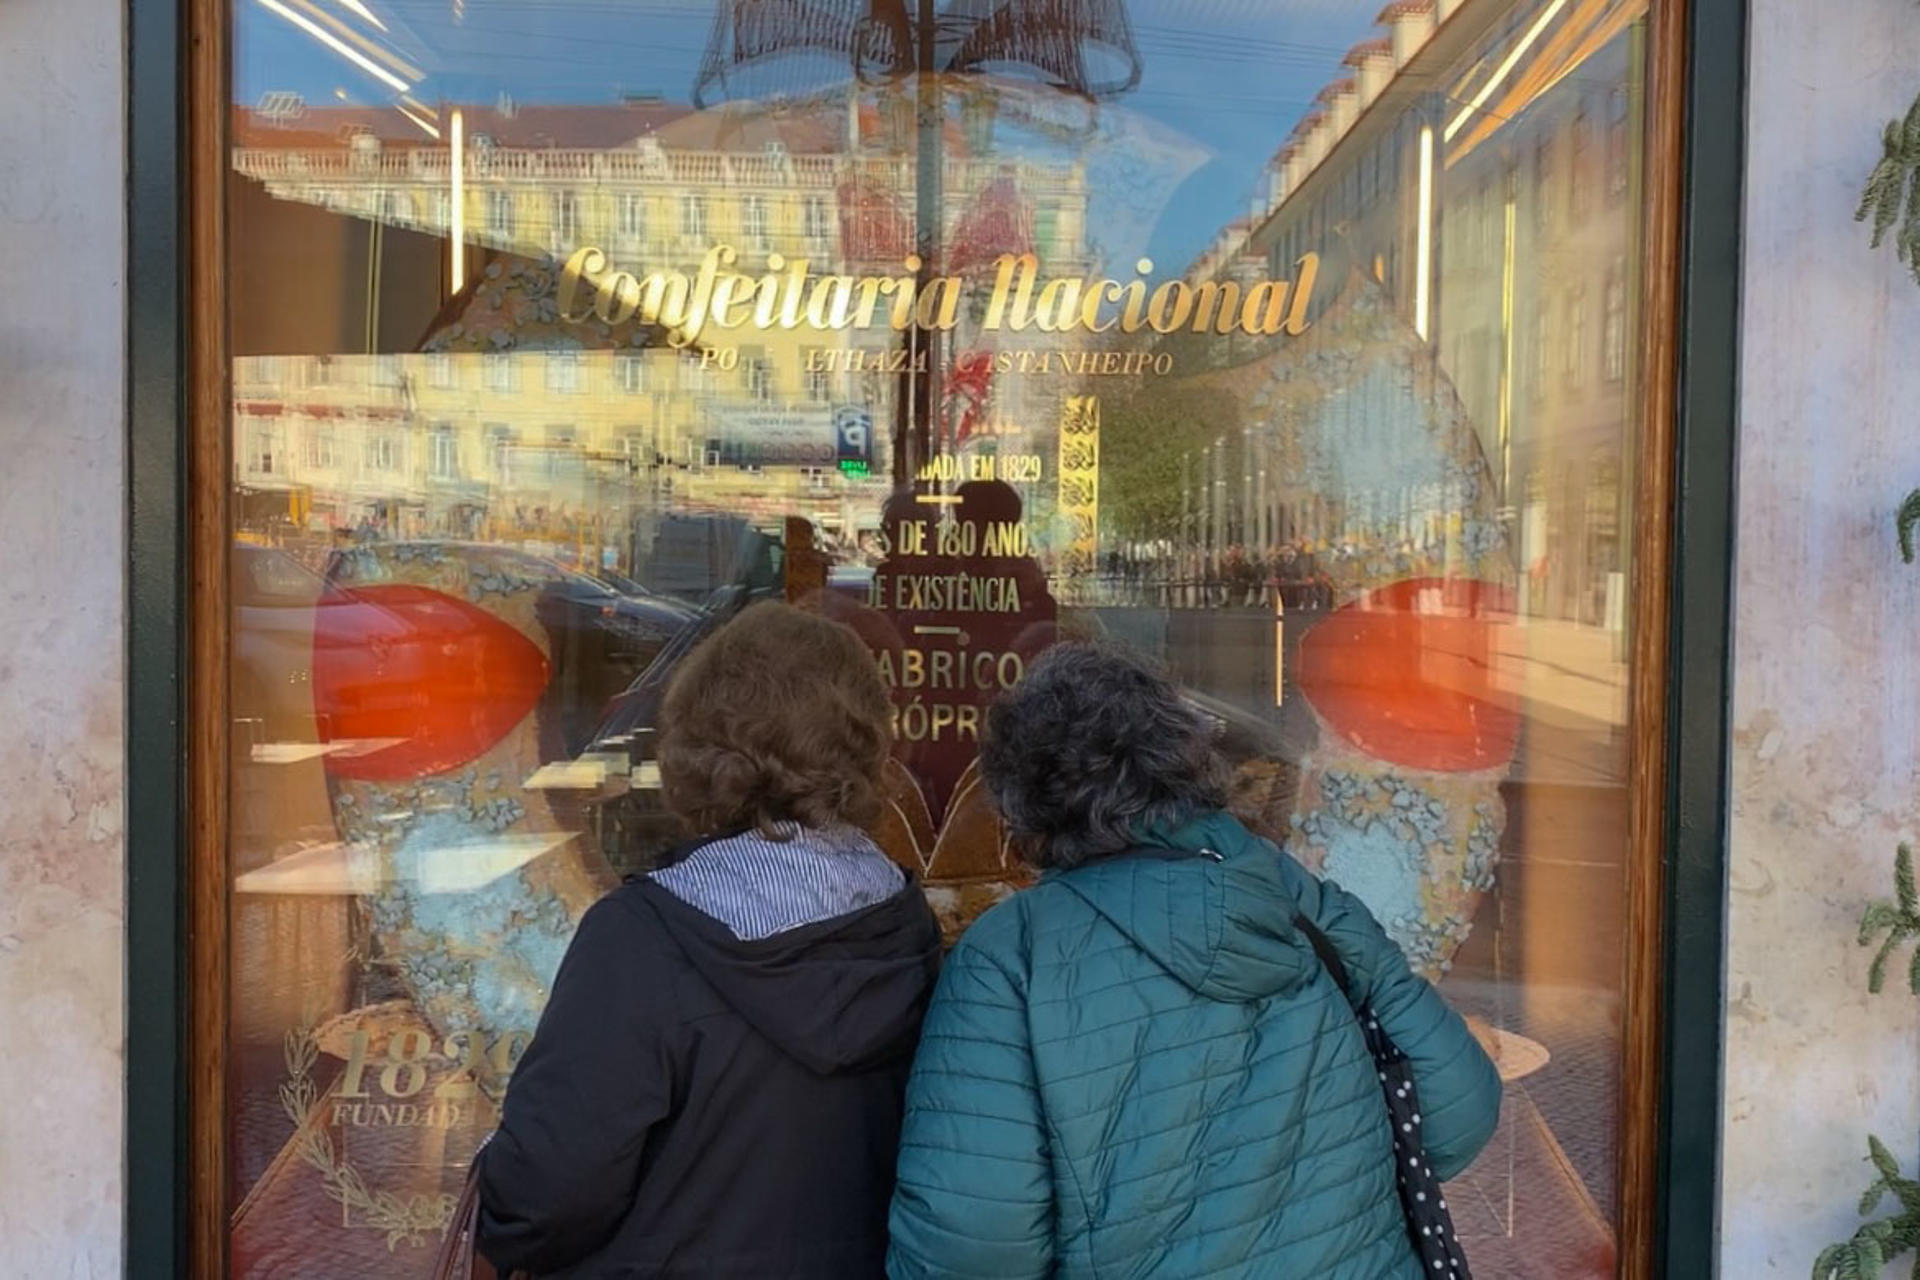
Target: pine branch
{"type": "Point", "coordinates": [1876, 1243]}
{"type": "Point", "coordinates": [1899, 920]}
{"type": "Point", "coordinates": [1891, 198]}
{"type": "Point", "coordinates": [1904, 522]}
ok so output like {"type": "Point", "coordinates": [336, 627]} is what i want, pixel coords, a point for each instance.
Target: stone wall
{"type": "Point", "coordinates": [1826, 701]}
{"type": "Point", "coordinates": [62, 545]}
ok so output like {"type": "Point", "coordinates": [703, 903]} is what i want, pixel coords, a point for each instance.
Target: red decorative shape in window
{"type": "Point", "coordinates": [437, 679]}
{"type": "Point", "coordinates": [1406, 674]}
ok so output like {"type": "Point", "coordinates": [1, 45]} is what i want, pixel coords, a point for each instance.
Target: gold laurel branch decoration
{"type": "Point", "coordinates": [413, 1219]}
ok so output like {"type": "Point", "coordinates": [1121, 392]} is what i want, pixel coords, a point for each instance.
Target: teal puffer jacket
{"type": "Point", "coordinates": [1139, 1068]}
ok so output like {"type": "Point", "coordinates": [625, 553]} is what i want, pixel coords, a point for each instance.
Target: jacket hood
{"type": "Point", "coordinates": [1206, 900]}
{"type": "Point", "coordinates": [841, 995]}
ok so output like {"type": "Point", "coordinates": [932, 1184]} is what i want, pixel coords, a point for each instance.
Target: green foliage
{"type": "Point", "coordinates": [1876, 1243]}
{"type": "Point", "coordinates": [1150, 435]}
{"type": "Point", "coordinates": [1899, 920]}
{"type": "Point", "coordinates": [1904, 523]}
{"type": "Point", "coordinates": [1892, 197]}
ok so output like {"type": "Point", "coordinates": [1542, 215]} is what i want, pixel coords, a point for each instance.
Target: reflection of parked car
{"type": "Point", "coordinates": [692, 556]}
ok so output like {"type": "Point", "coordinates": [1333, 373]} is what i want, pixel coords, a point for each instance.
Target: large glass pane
{"type": "Point", "coordinates": [1290, 344]}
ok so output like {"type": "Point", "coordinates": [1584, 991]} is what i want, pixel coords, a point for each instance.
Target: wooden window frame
{"type": "Point", "coordinates": [180, 908]}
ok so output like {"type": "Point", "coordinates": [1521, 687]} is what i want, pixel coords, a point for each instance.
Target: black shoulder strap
{"type": "Point", "coordinates": [1329, 958]}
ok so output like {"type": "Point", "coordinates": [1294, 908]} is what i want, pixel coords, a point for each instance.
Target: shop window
{"type": "Point", "coordinates": [1341, 534]}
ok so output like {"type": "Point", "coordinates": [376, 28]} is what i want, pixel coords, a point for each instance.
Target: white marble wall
{"type": "Point", "coordinates": [62, 548]}
{"type": "Point", "coordinates": [1826, 706]}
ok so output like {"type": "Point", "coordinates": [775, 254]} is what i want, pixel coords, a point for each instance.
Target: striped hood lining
{"type": "Point", "coordinates": [759, 887]}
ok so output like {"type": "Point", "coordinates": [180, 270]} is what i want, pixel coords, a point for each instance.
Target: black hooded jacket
{"type": "Point", "coordinates": [695, 1105]}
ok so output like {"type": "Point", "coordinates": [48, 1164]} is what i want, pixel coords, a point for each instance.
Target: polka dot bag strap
{"type": "Point", "coordinates": [1424, 1205]}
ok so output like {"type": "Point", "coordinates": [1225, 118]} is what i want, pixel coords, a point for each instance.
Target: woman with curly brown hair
{"type": "Point", "coordinates": [1153, 1063]}
{"type": "Point", "coordinates": [716, 1085]}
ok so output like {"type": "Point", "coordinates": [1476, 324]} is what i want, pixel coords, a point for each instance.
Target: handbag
{"type": "Point", "coordinates": [459, 1257]}
{"type": "Point", "coordinates": [1422, 1202]}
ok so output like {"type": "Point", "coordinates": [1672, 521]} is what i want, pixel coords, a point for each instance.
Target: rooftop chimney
{"type": "Point", "coordinates": [1409, 23]}
{"type": "Point", "coordinates": [1372, 63]}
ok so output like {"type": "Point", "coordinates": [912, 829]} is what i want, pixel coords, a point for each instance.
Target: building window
{"type": "Point", "coordinates": [440, 371]}
{"type": "Point", "coordinates": [500, 451]}
{"type": "Point", "coordinates": [813, 216]}
{"type": "Point", "coordinates": [500, 213]}
{"type": "Point", "coordinates": [566, 219]}
{"type": "Point", "coordinates": [262, 450]}
{"type": "Point", "coordinates": [561, 442]}
{"type": "Point", "coordinates": [442, 209]}
{"type": "Point", "coordinates": [635, 449]}
{"type": "Point", "coordinates": [819, 385]}
{"type": "Point", "coordinates": [445, 461]}
{"type": "Point", "coordinates": [693, 216]}
{"type": "Point", "coordinates": [632, 372]}
{"type": "Point", "coordinates": [383, 452]}
{"type": "Point", "coordinates": [500, 372]}
{"type": "Point", "coordinates": [563, 371]}
{"type": "Point", "coordinates": [1542, 348]}
{"type": "Point", "coordinates": [632, 217]}
{"type": "Point", "coordinates": [1543, 181]}
{"type": "Point", "coordinates": [1579, 179]}
{"type": "Point", "coordinates": [1576, 353]}
{"type": "Point", "coordinates": [759, 377]}
{"type": "Point", "coordinates": [1614, 332]}
{"type": "Point", "coordinates": [753, 221]}
{"type": "Point", "coordinates": [321, 455]}
{"type": "Point", "coordinates": [1618, 115]}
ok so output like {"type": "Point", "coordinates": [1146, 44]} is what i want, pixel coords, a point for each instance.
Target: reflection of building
{"type": "Point", "coordinates": [555, 435]}
{"type": "Point", "coordinates": [1478, 164]}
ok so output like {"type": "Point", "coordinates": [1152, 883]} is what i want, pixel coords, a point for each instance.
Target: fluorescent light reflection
{"type": "Point", "coordinates": [338, 45]}
{"type": "Point", "coordinates": [457, 228]}
{"type": "Point", "coordinates": [1506, 68]}
{"type": "Point", "coordinates": [1423, 249]}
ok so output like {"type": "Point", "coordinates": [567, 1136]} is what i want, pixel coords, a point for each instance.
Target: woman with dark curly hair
{"type": "Point", "coordinates": [1141, 1067]}
{"type": "Point", "coordinates": [716, 1084]}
